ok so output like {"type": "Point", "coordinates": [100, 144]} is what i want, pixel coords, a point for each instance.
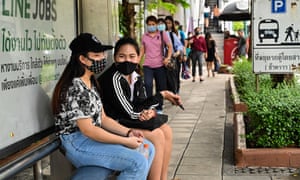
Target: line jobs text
{"type": "Point", "coordinates": [44, 9]}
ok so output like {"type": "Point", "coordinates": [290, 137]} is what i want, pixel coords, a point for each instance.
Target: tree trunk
{"type": "Point", "coordinates": [129, 22]}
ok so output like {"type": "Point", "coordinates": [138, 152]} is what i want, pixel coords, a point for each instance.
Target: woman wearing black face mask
{"type": "Point", "coordinates": [124, 99]}
{"type": "Point", "coordinates": [89, 137]}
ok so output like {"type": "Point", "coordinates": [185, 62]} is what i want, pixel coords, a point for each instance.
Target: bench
{"type": "Point", "coordinates": [28, 157]}
{"type": "Point", "coordinates": [61, 168]}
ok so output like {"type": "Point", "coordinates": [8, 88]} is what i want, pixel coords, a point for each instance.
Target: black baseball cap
{"type": "Point", "coordinates": [86, 42]}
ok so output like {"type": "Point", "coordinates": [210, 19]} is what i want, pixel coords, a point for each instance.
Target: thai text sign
{"type": "Point", "coordinates": [276, 26]}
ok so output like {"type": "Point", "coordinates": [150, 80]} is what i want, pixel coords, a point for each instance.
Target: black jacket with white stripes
{"type": "Point", "coordinates": [116, 95]}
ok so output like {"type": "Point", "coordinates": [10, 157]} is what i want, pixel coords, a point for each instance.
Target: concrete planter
{"type": "Point", "coordinates": [259, 157]}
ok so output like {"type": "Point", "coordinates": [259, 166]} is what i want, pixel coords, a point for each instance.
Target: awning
{"type": "Point", "coordinates": [236, 11]}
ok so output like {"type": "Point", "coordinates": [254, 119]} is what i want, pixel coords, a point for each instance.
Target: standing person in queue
{"type": "Point", "coordinates": [181, 34]}
{"type": "Point", "coordinates": [154, 61]}
{"type": "Point", "coordinates": [88, 136]}
{"type": "Point", "coordinates": [211, 52]}
{"type": "Point", "coordinates": [125, 100]}
{"type": "Point", "coordinates": [206, 15]}
{"type": "Point", "coordinates": [216, 14]}
{"type": "Point", "coordinates": [171, 69]}
{"type": "Point", "coordinates": [184, 63]}
{"type": "Point", "coordinates": [242, 44]}
{"type": "Point", "coordinates": [188, 49]}
{"type": "Point", "coordinates": [178, 48]}
{"type": "Point", "coordinates": [199, 50]}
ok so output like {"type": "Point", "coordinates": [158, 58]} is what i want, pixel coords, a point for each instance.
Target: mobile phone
{"type": "Point", "coordinates": [181, 106]}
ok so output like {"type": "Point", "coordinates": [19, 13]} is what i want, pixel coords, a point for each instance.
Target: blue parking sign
{"type": "Point", "coordinates": [278, 6]}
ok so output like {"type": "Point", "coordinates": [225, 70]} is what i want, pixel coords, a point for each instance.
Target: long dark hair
{"type": "Point", "coordinates": [170, 18]}
{"type": "Point", "coordinates": [72, 70]}
{"type": "Point", "coordinates": [209, 41]}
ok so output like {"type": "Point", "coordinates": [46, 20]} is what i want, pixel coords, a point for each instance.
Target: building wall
{"type": "Point", "coordinates": [100, 18]}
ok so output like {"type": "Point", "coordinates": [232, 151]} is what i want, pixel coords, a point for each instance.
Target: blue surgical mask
{"type": "Point", "coordinates": [161, 27]}
{"type": "Point", "coordinates": [151, 28]}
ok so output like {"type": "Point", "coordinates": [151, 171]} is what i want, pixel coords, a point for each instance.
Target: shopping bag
{"type": "Point", "coordinates": [185, 73]}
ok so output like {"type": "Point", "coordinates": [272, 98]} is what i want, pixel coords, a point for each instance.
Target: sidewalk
{"type": "Point", "coordinates": [200, 132]}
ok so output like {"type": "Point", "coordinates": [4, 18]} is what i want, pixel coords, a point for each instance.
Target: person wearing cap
{"type": "Point", "coordinates": [88, 136]}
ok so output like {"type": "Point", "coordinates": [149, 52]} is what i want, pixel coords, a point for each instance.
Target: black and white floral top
{"type": "Point", "coordinates": [81, 102]}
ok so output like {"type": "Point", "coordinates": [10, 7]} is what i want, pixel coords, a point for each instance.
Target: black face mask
{"type": "Point", "coordinates": [97, 66]}
{"type": "Point", "coordinates": [126, 68]}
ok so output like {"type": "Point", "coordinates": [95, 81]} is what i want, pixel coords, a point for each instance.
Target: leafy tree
{"type": "Point", "coordinates": [237, 25]}
{"type": "Point", "coordinates": [126, 17]}
{"type": "Point", "coordinates": [168, 5]}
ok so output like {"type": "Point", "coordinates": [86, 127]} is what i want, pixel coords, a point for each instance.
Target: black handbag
{"type": "Point", "coordinates": [172, 70]}
{"type": "Point", "coordinates": [151, 124]}
{"type": "Point", "coordinates": [172, 64]}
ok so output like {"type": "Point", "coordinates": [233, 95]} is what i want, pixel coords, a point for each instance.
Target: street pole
{"type": "Point", "coordinates": [145, 13]}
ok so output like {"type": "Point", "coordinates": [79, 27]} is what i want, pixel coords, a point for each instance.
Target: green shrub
{"type": "Point", "coordinates": [274, 113]}
{"type": "Point", "coordinates": [244, 77]}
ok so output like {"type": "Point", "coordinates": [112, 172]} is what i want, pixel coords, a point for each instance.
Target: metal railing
{"type": "Point", "coordinates": [29, 159]}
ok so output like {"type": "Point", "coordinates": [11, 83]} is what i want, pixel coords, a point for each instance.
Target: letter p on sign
{"type": "Point", "coordinates": [278, 6]}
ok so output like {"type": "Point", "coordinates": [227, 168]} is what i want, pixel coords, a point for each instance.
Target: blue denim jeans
{"type": "Point", "coordinates": [83, 151]}
{"type": "Point", "coordinates": [159, 75]}
{"type": "Point", "coordinates": [92, 173]}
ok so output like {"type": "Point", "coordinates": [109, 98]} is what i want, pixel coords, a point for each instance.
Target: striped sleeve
{"type": "Point", "coordinates": [124, 101]}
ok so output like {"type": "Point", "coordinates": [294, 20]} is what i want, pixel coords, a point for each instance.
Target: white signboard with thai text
{"type": "Point", "coordinates": [34, 38]}
{"type": "Point", "coordinates": [276, 43]}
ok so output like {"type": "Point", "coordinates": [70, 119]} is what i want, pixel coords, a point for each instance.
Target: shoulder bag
{"type": "Point", "coordinates": [172, 64]}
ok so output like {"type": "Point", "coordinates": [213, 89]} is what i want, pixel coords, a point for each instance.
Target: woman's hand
{"type": "Point", "coordinates": [147, 114]}
{"type": "Point", "coordinates": [173, 98]}
{"type": "Point", "coordinates": [205, 55]}
{"type": "Point", "coordinates": [133, 142]}
{"type": "Point", "coordinates": [184, 58]}
{"type": "Point", "coordinates": [176, 54]}
{"type": "Point", "coordinates": [166, 61]}
{"type": "Point", "coordinates": [136, 133]}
